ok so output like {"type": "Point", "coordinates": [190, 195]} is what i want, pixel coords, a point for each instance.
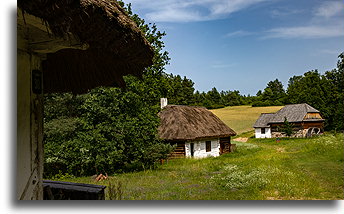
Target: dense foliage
{"type": "Point", "coordinates": [104, 131]}
{"type": "Point", "coordinates": [109, 130]}
{"type": "Point", "coordinates": [323, 92]}
{"type": "Point", "coordinates": [273, 94]}
{"type": "Point", "coordinates": [214, 99]}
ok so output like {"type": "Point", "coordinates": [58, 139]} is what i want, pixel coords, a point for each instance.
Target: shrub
{"type": "Point", "coordinates": [114, 131]}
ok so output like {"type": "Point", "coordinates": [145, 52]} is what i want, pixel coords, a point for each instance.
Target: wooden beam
{"type": "Point", "coordinates": [38, 38]}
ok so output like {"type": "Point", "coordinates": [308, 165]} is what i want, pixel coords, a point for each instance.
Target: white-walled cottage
{"type": "Point", "coordinates": [195, 131]}
{"type": "Point", "coordinates": [261, 127]}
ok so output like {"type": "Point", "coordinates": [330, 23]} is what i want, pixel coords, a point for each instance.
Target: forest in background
{"type": "Point", "coordinates": [113, 130]}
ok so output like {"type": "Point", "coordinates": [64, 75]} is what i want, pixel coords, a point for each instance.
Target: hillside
{"type": "Point", "coordinates": [242, 118]}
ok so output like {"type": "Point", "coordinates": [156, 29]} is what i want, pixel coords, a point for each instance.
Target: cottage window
{"type": "Point", "coordinates": [263, 131]}
{"type": "Point", "coordinates": [207, 146]}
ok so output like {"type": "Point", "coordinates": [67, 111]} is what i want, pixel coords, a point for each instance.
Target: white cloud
{"type": "Point", "coordinates": [326, 22]}
{"type": "Point", "coordinates": [190, 10]}
{"type": "Point", "coordinates": [172, 15]}
{"type": "Point", "coordinates": [219, 8]}
{"type": "Point", "coordinates": [306, 32]}
{"type": "Point", "coordinates": [239, 33]}
{"type": "Point", "coordinates": [330, 9]}
{"type": "Point", "coordinates": [283, 12]}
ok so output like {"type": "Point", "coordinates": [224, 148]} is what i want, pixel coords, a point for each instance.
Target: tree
{"type": "Point", "coordinates": [232, 98]}
{"type": "Point", "coordinates": [273, 94]}
{"type": "Point", "coordinates": [287, 127]}
{"type": "Point", "coordinates": [278, 92]}
{"type": "Point", "coordinates": [109, 129]}
{"type": "Point", "coordinates": [307, 89]}
{"type": "Point", "coordinates": [259, 93]}
{"type": "Point", "coordinates": [323, 92]}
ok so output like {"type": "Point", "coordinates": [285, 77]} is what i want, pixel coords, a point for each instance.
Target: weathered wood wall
{"type": "Point", "coordinates": [29, 114]}
{"type": "Point", "coordinates": [313, 116]}
{"type": "Point", "coordinates": [225, 145]}
{"type": "Point", "coordinates": [179, 151]}
{"type": "Point", "coordinates": [29, 129]}
{"type": "Point", "coordinates": [307, 125]}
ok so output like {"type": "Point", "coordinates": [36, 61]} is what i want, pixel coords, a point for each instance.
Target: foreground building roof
{"type": "Point", "coordinates": [110, 43]}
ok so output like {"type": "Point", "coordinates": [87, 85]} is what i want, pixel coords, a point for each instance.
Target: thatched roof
{"type": "Point", "coordinates": [191, 123]}
{"type": "Point", "coordinates": [294, 113]}
{"type": "Point", "coordinates": [116, 46]}
{"type": "Point", "coordinates": [263, 120]}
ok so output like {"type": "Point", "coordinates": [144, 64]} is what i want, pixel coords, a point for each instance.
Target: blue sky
{"type": "Point", "coordinates": [243, 44]}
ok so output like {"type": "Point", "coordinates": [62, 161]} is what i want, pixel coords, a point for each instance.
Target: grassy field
{"type": "Point", "coordinates": [260, 169]}
{"type": "Point", "coordinates": [242, 118]}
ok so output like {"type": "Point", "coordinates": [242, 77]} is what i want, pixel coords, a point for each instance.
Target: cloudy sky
{"type": "Point", "coordinates": [243, 44]}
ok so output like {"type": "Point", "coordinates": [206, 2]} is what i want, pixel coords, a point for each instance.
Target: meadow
{"type": "Point", "coordinates": [259, 169]}
{"type": "Point", "coordinates": [242, 118]}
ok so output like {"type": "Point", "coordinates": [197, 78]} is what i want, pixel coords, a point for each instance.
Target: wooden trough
{"type": "Point", "coordinates": [59, 190]}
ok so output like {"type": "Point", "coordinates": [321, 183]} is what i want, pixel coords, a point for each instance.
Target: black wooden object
{"type": "Point", "coordinates": [58, 190]}
{"type": "Point", "coordinates": [36, 81]}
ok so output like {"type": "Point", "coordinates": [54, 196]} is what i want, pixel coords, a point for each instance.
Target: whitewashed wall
{"type": "Point", "coordinates": [200, 148]}
{"type": "Point", "coordinates": [258, 133]}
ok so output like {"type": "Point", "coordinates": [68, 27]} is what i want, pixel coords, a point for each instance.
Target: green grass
{"type": "Point", "coordinates": [260, 169]}
{"type": "Point", "coordinates": [242, 118]}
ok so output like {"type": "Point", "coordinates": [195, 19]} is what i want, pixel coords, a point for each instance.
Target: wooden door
{"type": "Point", "coordinates": [225, 145]}
{"type": "Point", "coordinates": [192, 148]}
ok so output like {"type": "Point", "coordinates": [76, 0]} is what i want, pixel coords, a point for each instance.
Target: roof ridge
{"type": "Point", "coordinates": [187, 106]}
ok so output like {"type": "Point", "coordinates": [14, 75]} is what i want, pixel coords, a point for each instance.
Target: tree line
{"type": "Point", "coordinates": [322, 91]}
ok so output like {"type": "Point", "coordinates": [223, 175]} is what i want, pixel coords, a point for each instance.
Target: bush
{"type": "Point", "coordinates": [115, 131]}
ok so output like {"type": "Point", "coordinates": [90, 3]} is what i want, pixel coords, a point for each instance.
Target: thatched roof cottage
{"type": "Point", "coordinates": [196, 131]}
{"type": "Point", "coordinates": [305, 119]}
{"type": "Point", "coordinates": [67, 46]}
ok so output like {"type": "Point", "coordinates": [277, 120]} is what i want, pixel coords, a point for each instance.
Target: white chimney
{"type": "Point", "coordinates": [163, 102]}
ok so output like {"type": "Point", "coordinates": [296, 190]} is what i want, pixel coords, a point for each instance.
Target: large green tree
{"type": "Point", "coordinates": [273, 94]}
{"type": "Point", "coordinates": [323, 92]}
{"type": "Point", "coordinates": [109, 129]}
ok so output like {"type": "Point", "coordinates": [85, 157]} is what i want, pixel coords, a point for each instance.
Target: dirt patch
{"type": "Point", "coordinates": [280, 149]}
{"type": "Point", "coordinates": [241, 139]}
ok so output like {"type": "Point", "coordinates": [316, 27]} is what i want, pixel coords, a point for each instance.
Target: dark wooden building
{"type": "Point", "coordinates": [306, 121]}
